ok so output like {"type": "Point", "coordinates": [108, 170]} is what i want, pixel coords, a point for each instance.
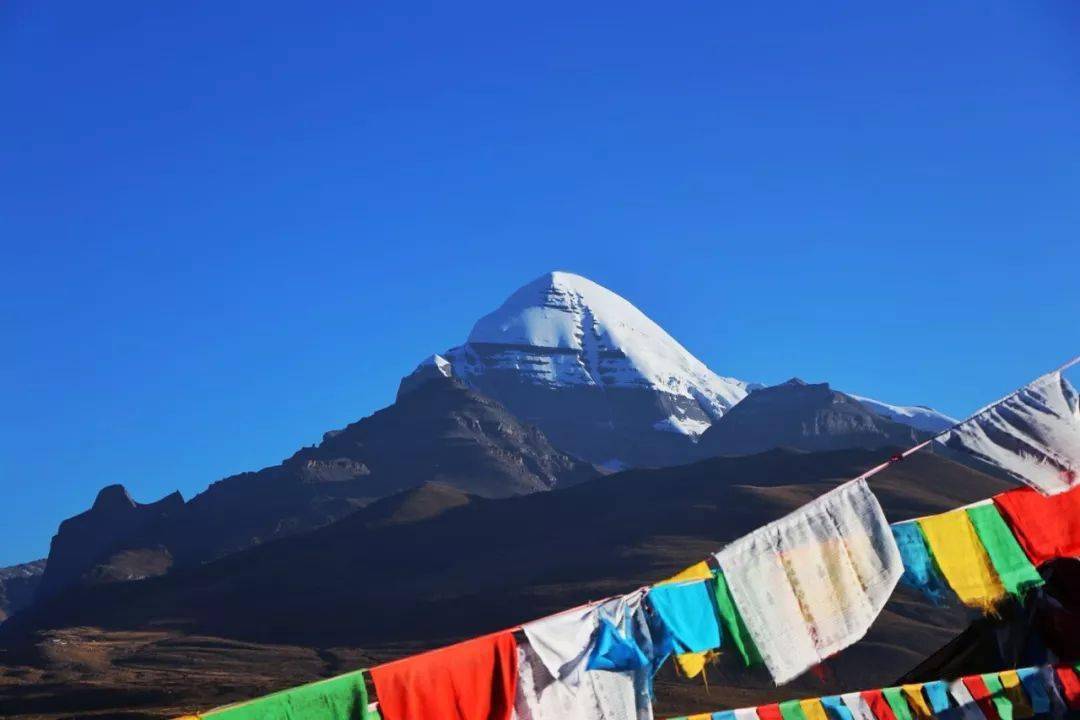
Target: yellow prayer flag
{"type": "Point", "coordinates": [917, 702]}
{"type": "Point", "coordinates": [691, 663]}
{"type": "Point", "coordinates": [813, 709]}
{"type": "Point", "coordinates": [700, 716]}
{"type": "Point", "coordinates": [700, 571]}
{"type": "Point", "coordinates": [1010, 683]}
{"type": "Point", "coordinates": [962, 559]}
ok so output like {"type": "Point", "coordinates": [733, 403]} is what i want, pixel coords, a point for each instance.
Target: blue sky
{"type": "Point", "coordinates": [229, 228]}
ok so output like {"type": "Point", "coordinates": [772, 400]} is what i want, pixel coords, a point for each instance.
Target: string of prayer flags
{"type": "Point", "coordinates": [1032, 436]}
{"type": "Point", "coordinates": [962, 559]}
{"type": "Point", "coordinates": [1046, 527]}
{"type": "Point", "coordinates": [1006, 695]}
{"type": "Point", "coordinates": [338, 698]}
{"type": "Point", "coordinates": [811, 583]}
{"type": "Point", "coordinates": [1015, 571]}
{"type": "Point", "coordinates": [473, 680]}
{"type": "Point", "coordinates": [596, 662]}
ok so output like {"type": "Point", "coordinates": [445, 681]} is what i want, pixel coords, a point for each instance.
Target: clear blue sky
{"type": "Point", "coordinates": [230, 227]}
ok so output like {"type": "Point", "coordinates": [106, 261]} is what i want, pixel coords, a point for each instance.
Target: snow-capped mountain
{"type": "Point", "coordinates": [600, 378]}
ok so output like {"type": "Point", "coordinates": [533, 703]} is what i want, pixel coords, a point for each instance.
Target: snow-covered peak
{"type": "Point", "coordinates": [617, 343]}
{"type": "Point", "coordinates": [919, 417]}
{"type": "Point", "coordinates": [438, 363]}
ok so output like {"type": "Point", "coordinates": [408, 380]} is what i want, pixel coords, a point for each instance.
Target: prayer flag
{"type": "Point", "coordinates": [1014, 691]}
{"type": "Point", "coordinates": [812, 583]}
{"type": "Point", "coordinates": [962, 560]}
{"type": "Point", "coordinates": [919, 570]}
{"type": "Point", "coordinates": [1032, 436]}
{"type": "Point", "coordinates": [1047, 528]}
{"type": "Point", "coordinates": [1016, 572]}
{"type": "Point", "coordinates": [895, 697]}
{"type": "Point", "coordinates": [915, 699]}
{"type": "Point", "coordinates": [473, 680]}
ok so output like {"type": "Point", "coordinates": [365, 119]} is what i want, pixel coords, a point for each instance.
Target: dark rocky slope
{"type": "Point", "coordinates": [441, 432]}
{"type": "Point", "coordinates": [802, 416]}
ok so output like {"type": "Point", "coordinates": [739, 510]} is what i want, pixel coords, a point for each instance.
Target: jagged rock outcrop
{"type": "Point", "coordinates": [89, 538]}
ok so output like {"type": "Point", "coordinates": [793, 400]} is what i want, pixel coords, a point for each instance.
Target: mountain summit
{"type": "Point", "coordinates": [600, 378]}
{"type": "Point", "coordinates": [607, 384]}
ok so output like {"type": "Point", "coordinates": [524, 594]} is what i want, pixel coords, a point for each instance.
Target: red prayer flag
{"type": "Point", "coordinates": [473, 680]}
{"type": "Point", "coordinates": [878, 705]}
{"type": "Point", "coordinates": [1070, 686]}
{"type": "Point", "coordinates": [1047, 526]}
{"type": "Point", "coordinates": [982, 696]}
{"type": "Point", "coordinates": [769, 712]}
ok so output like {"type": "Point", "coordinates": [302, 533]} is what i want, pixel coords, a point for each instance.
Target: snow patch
{"type": "Point", "coordinates": [683, 426]}
{"type": "Point", "coordinates": [917, 416]}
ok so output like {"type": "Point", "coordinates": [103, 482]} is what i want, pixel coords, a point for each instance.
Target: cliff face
{"type": "Point", "coordinates": [89, 538]}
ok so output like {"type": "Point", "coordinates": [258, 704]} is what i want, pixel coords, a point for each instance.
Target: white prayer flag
{"type": "Point", "coordinates": [553, 680]}
{"type": "Point", "coordinates": [1032, 436]}
{"type": "Point", "coordinates": [812, 583]}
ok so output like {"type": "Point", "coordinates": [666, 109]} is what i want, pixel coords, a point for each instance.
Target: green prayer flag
{"type": "Point", "coordinates": [734, 626]}
{"type": "Point", "coordinates": [1017, 573]}
{"type": "Point", "coordinates": [339, 698]}
{"type": "Point", "coordinates": [1002, 703]}
{"type": "Point", "coordinates": [897, 702]}
{"type": "Point", "coordinates": [792, 710]}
